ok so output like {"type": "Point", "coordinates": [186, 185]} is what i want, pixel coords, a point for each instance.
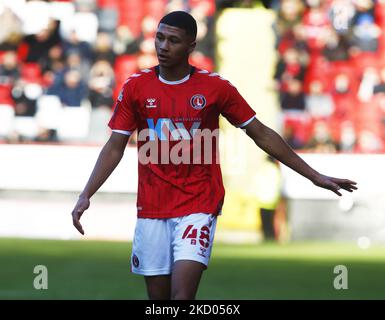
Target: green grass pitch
{"type": "Point", "coordinates": [100, 270]}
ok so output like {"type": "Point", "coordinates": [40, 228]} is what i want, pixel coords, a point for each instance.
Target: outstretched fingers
{"type": "Point", "coordinates": [346, 184]}
{"type": "Point", "coordinates": [335, 189]}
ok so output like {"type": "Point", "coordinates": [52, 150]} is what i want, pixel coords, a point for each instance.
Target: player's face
{"type": "Point", "coordinates": [173, 45]}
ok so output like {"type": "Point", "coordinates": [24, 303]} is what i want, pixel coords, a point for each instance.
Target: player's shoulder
{"type": "Point", "coordinates": [213, 78]}
{"type": "Point", "coordinates": [140, 77]}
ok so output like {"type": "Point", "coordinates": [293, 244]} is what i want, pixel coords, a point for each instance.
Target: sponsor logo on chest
{"type": "Point", "coordinates": [151, 103]}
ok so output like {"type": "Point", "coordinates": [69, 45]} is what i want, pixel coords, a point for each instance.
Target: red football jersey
{"type": "Point", "coordinates": [178, 170]}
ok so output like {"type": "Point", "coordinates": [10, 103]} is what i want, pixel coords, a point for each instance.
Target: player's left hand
{"type": "Point", "coordinates": [335, 184]}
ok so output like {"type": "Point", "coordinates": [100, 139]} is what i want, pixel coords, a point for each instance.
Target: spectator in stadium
{"type": "Point", "coordinates": [289, 14]}
{"type": "Point", "coordinates": [9, 69]}
{"type": "Point", "coordinates": [316, 23]}
{"type": "Point", "coordinates": [370, 79]}
{"type": "Point", "coordinates": [348, 137]}
{"type": "Point", "coordinates": [289, 75]}
{"type": "Point", "coordinates": [369, 142]}
{"type": "Point", "coordinates": [25, 95]}
{"type": "Point", "coordinates": [292, 138]}
{"type": "Point", "coordinates": [318, 102]}
{"type": "Point", "coordinates": [125, 42]}
{"type": "Point", "coordinates": [380, 86]}
{"type": "Point", "coordinates": [101, 84]}
{"type": "Point", "coordinates": [178, 204]}
{"type": "Point", "coordinates": [147, 55]}
{"type": "Point", "coordinates": [39, 44]}
{"type": "Point", "coordinates": [10, 29]}
{"type": "Point", "coordinates": [75, 62]}
{"type": "Point", "coordinates": [336, 47]}
{"type": "Point", "coordinates": [300, 43]}
{"type": "Point", "coordinates": [70, 89]}
{"type": "Point", "coordinates": [363, 8]}
{"type": "Point", "coordinates": [294, 98]}
{"type": "Point", "coordinates": [82, 48]}
{"type": "Point", "coordinates": [53, 66]}
{"type": "Point", "coordinates": [289, 67]}
{"type": "Point", "coordinates": [202, 13]}
{"type": "Point", "coordinates": [341, 14]}
{"type": "Point", "coordinates": [103, 48]}
{"type": "Point", "coordinates": [365, 34]}
{"type": "Point", "coordinates": [321, 141]}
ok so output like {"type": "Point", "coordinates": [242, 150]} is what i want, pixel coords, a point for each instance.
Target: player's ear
{"type": "Point", "coordinates": [192, 46]}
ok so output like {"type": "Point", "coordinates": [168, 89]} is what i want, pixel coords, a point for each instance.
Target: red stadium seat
{"type": "Point", "coordinates": [125, 66]}
{"type": "Point", "coordinates": [379, 13]}
{"type": "Point", "coordinates": [155, 8]}
{"type": "Point", "coordinates": [31, 72]}
{"type": "Point", "coordinates": [201, 61]}
{"type": "Point", "coordinates": [107, 3]}
{"type": "Point", "coordinates": [131, 13]}
{"type": "Point", "coordinates": [5, 94]}
{"type": "Point", "coordinates": [22, 51]}
{"type": "Point", "coordinates": [346, 68]}
{"type": "Point", "coordinates": [301, 125]}
{"type": "Point", "coordinates": [2, 53]}
{"type": "Point", "coordinates": [209, 5]}
{"type": "Point", "coordinates": [364, 60]}
{"type": "Point", "coordinates": [318, 69]}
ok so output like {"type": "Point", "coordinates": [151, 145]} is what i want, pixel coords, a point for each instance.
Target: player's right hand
{"type": "Point", "coordinates": [81, 206]}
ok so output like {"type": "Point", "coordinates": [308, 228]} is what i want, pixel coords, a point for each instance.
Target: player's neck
{"type": "Point", "coordinates": [175, 73]}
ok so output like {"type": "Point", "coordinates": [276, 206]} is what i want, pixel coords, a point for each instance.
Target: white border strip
{"type": "Point", "coordinates": [127, 133]}
{"type": "Point", "coordinates": [246, 123]}
{"type": "Point", "coordinates": [174, 82]}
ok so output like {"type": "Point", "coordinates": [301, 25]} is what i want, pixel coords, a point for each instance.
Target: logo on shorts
{"type": "Point", "coordinates": [198, 101]}
{"type": "Point", "coordinates": [135, 261]}
{"type": "Point", "coordinates": [203, 252]}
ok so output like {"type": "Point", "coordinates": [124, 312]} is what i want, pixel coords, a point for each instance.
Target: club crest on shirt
{"type": "Point", "coordinates": [151, 103]}
{"type": "Point", "coordinates": [135, 261]}
{"type": "Point", "coordinates": [198, 101]}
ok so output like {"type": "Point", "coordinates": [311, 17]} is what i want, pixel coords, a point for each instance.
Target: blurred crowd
{"type": "Point", "coordinates": [62, 63]}
{"type": "Point", "coordinates": [331, 74]}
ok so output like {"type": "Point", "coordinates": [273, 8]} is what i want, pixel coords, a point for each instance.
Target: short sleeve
{"type": "Point", "coordinates": [124, 119]}
{"type": "Point", "coordinates": [233, 106]}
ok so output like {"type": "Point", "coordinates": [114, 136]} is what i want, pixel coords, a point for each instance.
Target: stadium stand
{"type": "Point", "coordinates": [62, 63]}
{"type": "Point", "coordinates": [329, 69]}
{"type": "Point", "coordinates": [330, 73]}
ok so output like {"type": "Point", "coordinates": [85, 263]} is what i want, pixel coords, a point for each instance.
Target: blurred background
{"type": "Point", "coordinates": [313, 70]}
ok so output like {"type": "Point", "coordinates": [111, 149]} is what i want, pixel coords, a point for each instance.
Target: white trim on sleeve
{"type": "Point", "coordinates": [246, 122]}
{"type": "Point", "coordinates": [127, 133]}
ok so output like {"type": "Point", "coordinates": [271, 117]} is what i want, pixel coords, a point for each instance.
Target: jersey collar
{"type": "Point", "coordinates": [173, 82]}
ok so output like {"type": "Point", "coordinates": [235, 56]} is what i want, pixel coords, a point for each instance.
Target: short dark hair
{"type": "Point", "coordinates": [182, 20]}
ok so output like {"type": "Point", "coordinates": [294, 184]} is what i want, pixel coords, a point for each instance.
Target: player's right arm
{"type": "Point", "coordinates": [108, 159]}
{"type": "Point", "coordinates": [122, 124]}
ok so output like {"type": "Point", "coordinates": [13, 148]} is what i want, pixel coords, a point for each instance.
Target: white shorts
{"type": "Point", "coordinates": [158, 243]}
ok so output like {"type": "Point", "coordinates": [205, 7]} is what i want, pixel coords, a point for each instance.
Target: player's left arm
{"type": "Point", "coordinates": [272, 143]}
